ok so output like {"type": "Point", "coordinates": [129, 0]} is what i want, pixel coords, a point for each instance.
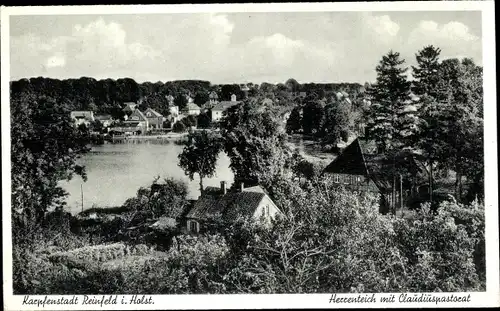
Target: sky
{"type": "Point", "coordinates": [234, 47]}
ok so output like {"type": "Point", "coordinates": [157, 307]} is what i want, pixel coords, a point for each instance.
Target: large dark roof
{"type": "Point", "coordinates": [354, 160]}
{"type": "Point", "coordinates": [350, 161]}
{"type": "Point", "coordinates": [213, 203]}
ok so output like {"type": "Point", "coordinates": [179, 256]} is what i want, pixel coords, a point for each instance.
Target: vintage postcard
{"type": "Point", "coordinates": [249, 156]}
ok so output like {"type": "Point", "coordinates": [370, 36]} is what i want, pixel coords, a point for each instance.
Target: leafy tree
{"type": "Point", "coordinates": [200, 155]}
{"type": "Point", "coordinates": [204, 120]}
{"type": "Point", "coordinates": [292, 85]}
{"type": "Point", "coordinates": [229, 89]}
{"type": "Point", "coordinates": [201, 98]}
{"type": "Point", "coordinates": [190, 120]}
{"type": "Point", "coordinates": [294, 122]}
{"type": "Point", "coordinates": [44, 148]}
{"type": "Point", "coordinates": [179, 127]}
{"type": "Point", "coordinates": [168, 198]}
{"type": "Point", "coordinates": [312, 116]}
{"type": "Point", "coordinates": [463, 135]}
{"type": "Point", "coordinates": [337, 122]}
{"type": "Point", "coordinates": [255, 143]}
{"type": "Point", "coordinates": [181, 101]}
{"type": "Point", "coordinates": [97, 126]}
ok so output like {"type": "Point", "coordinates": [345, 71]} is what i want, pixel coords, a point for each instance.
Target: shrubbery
{"type": "Point", "coordinates": [179, 127]}
{"type": "Point", "coordinates": [327, 240]}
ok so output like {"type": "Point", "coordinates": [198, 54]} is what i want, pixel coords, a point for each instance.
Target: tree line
{"type": "Point", "coordinates": [108, 95]}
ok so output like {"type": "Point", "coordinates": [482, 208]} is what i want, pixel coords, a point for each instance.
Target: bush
{"type": "Point", "coordinates": [179, 127]}
{"type": "Point", "coordinates": [442, 248]}
{"type": "Point", "coordinates": [190, 121]}
{"type": "Point", "coordinates": [327, 240]}
{"type": "Point", "coordinates": [204, 121]}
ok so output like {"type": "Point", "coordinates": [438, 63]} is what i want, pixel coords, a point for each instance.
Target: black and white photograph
{"type": "Point", "coordinates": [236, 149]}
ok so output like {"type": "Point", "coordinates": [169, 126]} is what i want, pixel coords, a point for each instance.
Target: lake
{"type": "Point", "coordinates": [116, 171]}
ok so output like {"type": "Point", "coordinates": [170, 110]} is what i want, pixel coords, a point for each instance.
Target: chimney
{"type": "Point", "coordinates": [223, 187]}
{"type": "Point", "coordinates": [242, 186]}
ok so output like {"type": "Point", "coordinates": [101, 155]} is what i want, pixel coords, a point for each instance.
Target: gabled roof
{"type": "Point", "coordinates": [233, 204]}
{"type": "Point", "coordinates": [213, 95]}
{"type": "Point", "coordinates": [223, 105]}
{"type": "Point", "coordinates": [155, 114]}
{"type": "Point", "coordinates": [192, 106]}
{"type": "Point", "coordinates": [354, 161]}
{"type": "Point", "coordinates": [102, 117]}
{"type": "Point", "coordinates": [81, 114]}
{"type": "Point", "coordinates": [129, 106]}
{"type": "Point", "coordinates": [136, 116]}
{"type": "Point", "coordinates": [350, 161]}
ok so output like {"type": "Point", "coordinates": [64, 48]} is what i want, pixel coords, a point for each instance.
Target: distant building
{"type": "Point", "coordinates": [213, 99]}
{"type": "Point", "coordinates": [155, 119]}
{"type": "Point", "coordinates": [82, 117]}
{"type": "Point", "coordinates": [174, 115]}
{"type": "Point", "coordinates": [137, 123]}
{"type": "Point", "coordinates": [105, 119]}
{"type": "Point", "coordinates": [129, 108]}
{"type": "Point", "coordinates": [360, 171]}
{"type": "Point", "coordinates": [221, 204]}
{"type": "Point", "coordinates": [218, 109]}
{"type": "Point", "coordinates": [192, 109]}
{"type": "Point", "coordinates": [170, 99]}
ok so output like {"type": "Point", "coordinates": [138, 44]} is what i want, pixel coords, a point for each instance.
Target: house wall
{"type": "Point", "coordinates": [192, 226]}
{"type": "Point", "coordinates": [156, 122]}
{"type": "Point", "coordinates": [266, 208]}
{"type": "Point", "coordinates": [194, 112]}
{"type": "Point", "coordinates": [216, 115]}
{"type": "Point", "coordinates": [355, 182]}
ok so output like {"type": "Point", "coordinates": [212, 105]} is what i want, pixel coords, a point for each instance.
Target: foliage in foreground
{"type": "Point", "coordinates": [327, 241]}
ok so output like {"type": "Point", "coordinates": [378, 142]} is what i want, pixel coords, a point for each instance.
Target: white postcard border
{"type": "Point", "coordinates": [481, 299]}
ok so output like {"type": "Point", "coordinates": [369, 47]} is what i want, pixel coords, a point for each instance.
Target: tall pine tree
{"type": "Point", "coordinates": [389, 96]}
{"type": "Point", "coordinates": [388, 122]}
{"type": "Point", "coordinates": [427, 84]}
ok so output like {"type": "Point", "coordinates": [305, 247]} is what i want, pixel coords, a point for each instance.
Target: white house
{"type": "Point", "coordinates": [82, 117]}
{"type": "Point", "coordinates": [192, 109]}
{"type": "Point", "coordinates": [221, 204]}
{"type": "Point", "coordinates": [219, 108]}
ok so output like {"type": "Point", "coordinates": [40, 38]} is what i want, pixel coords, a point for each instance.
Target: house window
{"type": "Point", "coordinates": [346, 179]}
{"type": "Point", "coordinates": [267, 210]}
{"type": "Point", "coordinates": [336, 178]}
{"type": "Point", "coordinates": [194, 226]}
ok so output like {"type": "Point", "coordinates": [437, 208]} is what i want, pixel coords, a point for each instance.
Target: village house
{"type": "Point", "coordinates": [137, 123]}
{"type": "Point", "coordinates": [363, 172]}
{"type": "Point", "coordinates": [218, 109]}
{"type": "Point", "coordinates": [213, 99]}
{"type": "Point", "coordinates": [82, 117]}
{"type": "Point", "coordinates": [228, 205]}
{"type": "Point", "coordinates": [155, 119]}
{"type": "Point", "coordinates": [174, 115]}
{"type": "Point", "coordinates": [192, 109]}
{"type": "Point", "coordinates": [105, 119]}
{"type": "Point", "coordinates": [129, 108]}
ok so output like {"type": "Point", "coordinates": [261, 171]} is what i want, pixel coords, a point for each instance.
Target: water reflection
{"type": "Point", "coordinates": [116, 171]}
